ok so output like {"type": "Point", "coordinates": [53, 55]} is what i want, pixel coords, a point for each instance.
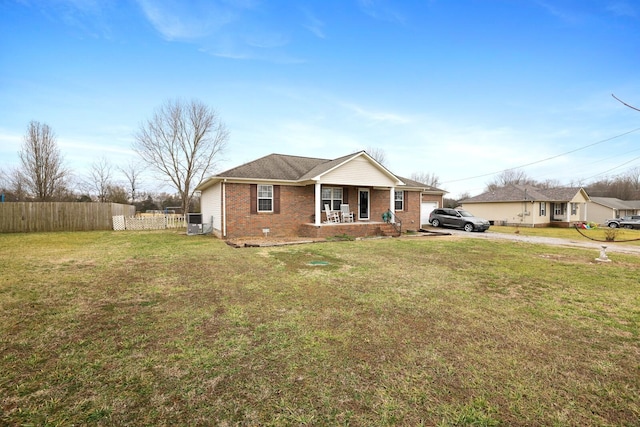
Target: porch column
{"type": "Point", "coordinates": [392, 203]}
{"type": "Point", "coordinates": [318, 200]}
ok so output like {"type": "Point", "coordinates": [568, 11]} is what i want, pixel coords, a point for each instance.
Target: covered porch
{"type": "Point", "coordinates": [366, 203]}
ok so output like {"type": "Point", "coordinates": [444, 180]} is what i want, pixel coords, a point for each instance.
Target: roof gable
{"type": "Point", "coordinates": [356, 168]}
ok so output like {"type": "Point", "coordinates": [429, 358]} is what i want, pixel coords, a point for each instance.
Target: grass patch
{"type": "Point", "coordinates": [157, 328]}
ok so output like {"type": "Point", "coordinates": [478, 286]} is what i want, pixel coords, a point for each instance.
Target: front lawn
{"type": "Point", "coordinates": [160, 328]}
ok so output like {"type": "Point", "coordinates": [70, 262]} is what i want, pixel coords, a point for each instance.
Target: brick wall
{"type": "Point", "coordinates": [410, 216]}
{"type": "Point", "coordinates": [296, 207]}
{"type": "Point", "coordinates": [378, 204]}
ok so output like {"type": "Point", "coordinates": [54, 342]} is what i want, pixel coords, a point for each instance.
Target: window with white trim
{"type": "Point", "coordinates": [265, 198]}
{"type": "Point", "coordinates": [557, 209]}
{"type": "Point", "coordinates": [332, 196]}
{"type": "Point", "coordinates": [543, 208]}
{"type": "Point", "coordinates": [399, 200]}
{"type": "Point", "coordinates": [574, 208]}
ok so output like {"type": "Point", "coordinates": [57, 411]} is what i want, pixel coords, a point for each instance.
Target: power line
{"type": "Point", "coordinates": [546, 159]}
{"type": "Point", "coordinates": [610, 169]}
{"type": "Point", "coordinates": [615, 167]}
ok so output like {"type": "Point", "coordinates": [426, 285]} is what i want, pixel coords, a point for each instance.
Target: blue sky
{"type": "Point", "coordinates": [462, 89]}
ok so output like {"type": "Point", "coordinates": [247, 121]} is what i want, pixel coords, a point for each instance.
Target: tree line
{"type": "Point", "coordinates": [180, 145]}
{"type": "Point", "coordinates": [625, 186]}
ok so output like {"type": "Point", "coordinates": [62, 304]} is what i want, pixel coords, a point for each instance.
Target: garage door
{"type": "Point", "coordinates": [425, 210]}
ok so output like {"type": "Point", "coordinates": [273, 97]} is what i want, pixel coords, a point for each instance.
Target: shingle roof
{"type": "Point", "coordinates": [518, 193]}
{"type": "Point", "coordinates": [614, 203]}
{"type": "Point", "coordinates": [417, 184]}
{"type": "Point", "coordinates": [282, 167]}
{"type": "Point", "coordinates": [275, 166]}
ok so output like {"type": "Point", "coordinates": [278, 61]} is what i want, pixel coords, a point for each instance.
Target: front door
{"type": "Point", "coordinates": [363, 203]}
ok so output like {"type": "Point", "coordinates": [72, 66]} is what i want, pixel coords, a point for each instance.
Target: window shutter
{"type": "Point", "coordinates": [276, 199]}
{"type": "Point", "coordinates": [405, 196]}
{"type": "Point", "coordinates": [345, 195]}
{"type": "Point", "coordinates": [253, 196]}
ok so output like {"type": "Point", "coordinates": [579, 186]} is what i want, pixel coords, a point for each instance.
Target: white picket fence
{"type": "Point", "coordinates": [156, 222]}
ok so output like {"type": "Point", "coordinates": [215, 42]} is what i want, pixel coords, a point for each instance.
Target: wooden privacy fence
{"type": "Point", "coordinates": [23, 217]}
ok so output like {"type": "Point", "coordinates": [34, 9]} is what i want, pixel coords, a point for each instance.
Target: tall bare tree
{"type": "Point", "coordinates": [42, 167]}
{"type": "Point", "coordinates": [182, 143]}
{"type": "Point", "coordinates": [132, 172]}
{"type": "Point", "coordinates": [100, 178]}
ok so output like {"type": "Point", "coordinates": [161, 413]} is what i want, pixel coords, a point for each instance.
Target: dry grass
{"type": "Point", "coordinates": [157, 328]}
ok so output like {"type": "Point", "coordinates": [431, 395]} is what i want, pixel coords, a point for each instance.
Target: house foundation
{"type": "Point", "coordinates": [355, 229]}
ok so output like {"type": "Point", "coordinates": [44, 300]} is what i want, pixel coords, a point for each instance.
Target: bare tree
{"type": "Point", "coordinates": [132, 173]}
{"type": "Point", "coordinates": [377, 154]}
{"type": "Point", "coordinates": [431, 179]}
{"type": "Point", "coordinates": [182, 142]}
{"type": "Point", "coordinates": [508, 177]}
{"type": "Point", "coordinates": [42, 170]}
{"type": "Point", "coordinates": [99, 178]}
{"type": "Point", "coordinates": [633, 176]}
{"type": "Point", "coordinates": [550, 183]}
{"type": "Point", "coordinates": [116, 194]}
{"type": "Point", "coordinates": [16, 185]}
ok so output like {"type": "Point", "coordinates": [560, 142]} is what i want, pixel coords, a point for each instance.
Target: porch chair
{"type": "Point", "coordinates": [332, 216]}
{"type": "Point", "coordinates": [347, 215]}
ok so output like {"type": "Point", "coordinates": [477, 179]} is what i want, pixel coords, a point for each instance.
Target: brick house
{"type": "Point", "coordinates": [285, 196]}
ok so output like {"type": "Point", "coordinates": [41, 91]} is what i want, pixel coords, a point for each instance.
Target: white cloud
{"type": "Point", "coordinates": [314, 25]}
{"type": "Point", "coordinates": [382, 10]}
{"type": "Point", "coordinates": [622, 8]}
{"type": "Point", "coordinates": [377, 116]}
{"type": "Point", "coordinates": [177, 20]}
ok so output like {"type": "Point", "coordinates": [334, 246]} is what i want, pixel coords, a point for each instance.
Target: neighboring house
{"type": "Point", "coordinates": [282, 195]}
{"type": "Point", "coordinates": [530, 206]}
{"type": "Point", "coordinates": [603, 208]}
